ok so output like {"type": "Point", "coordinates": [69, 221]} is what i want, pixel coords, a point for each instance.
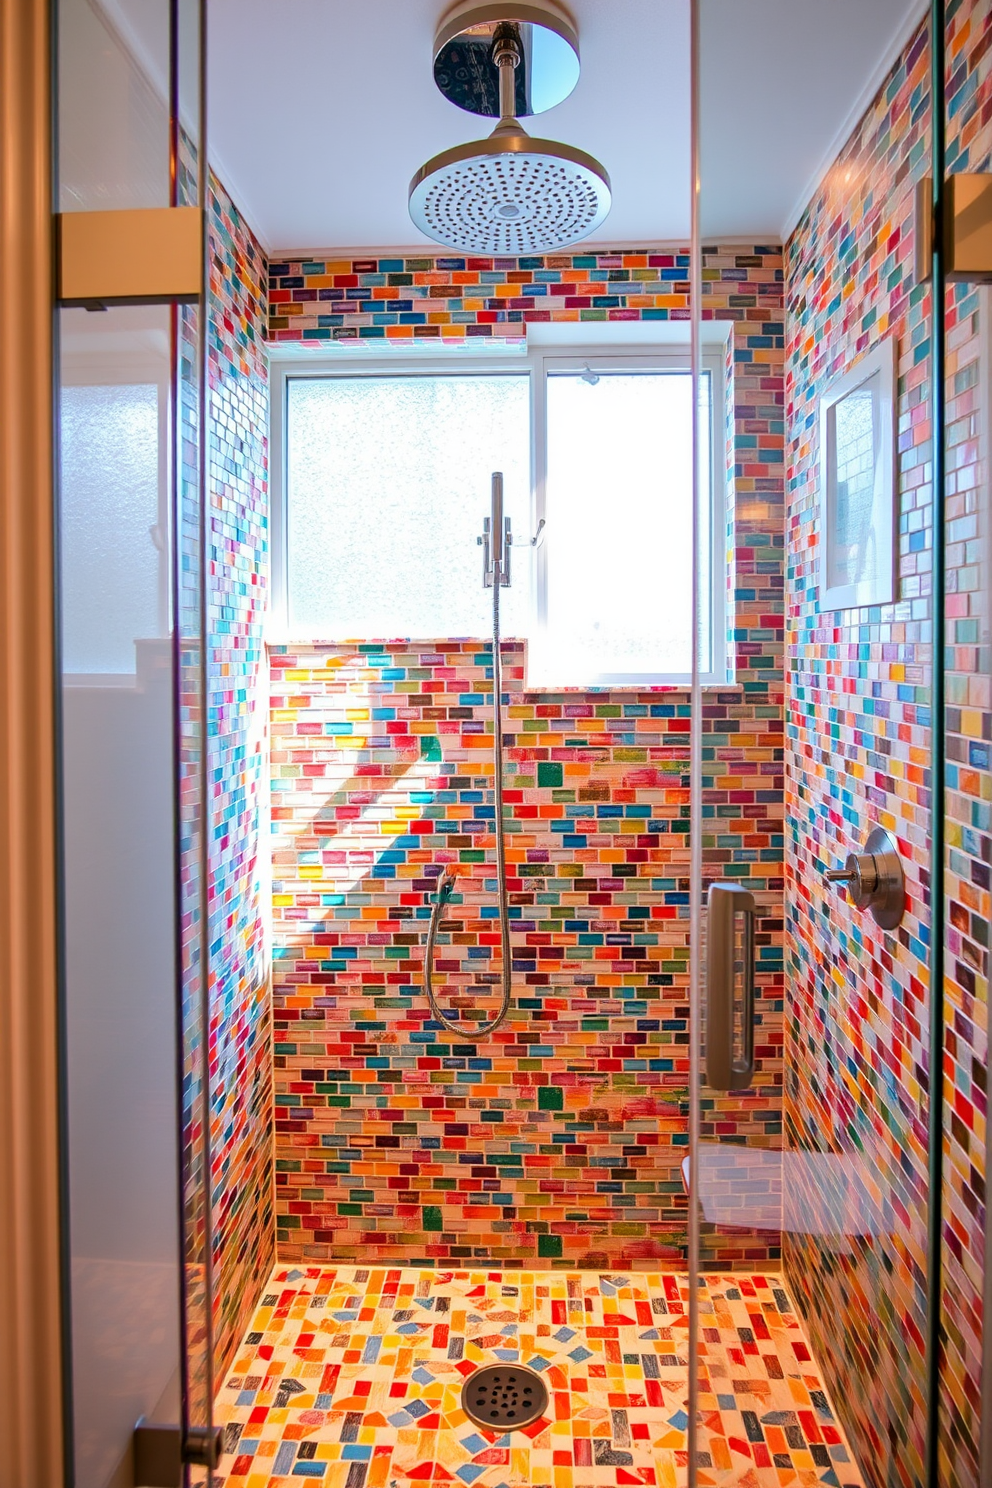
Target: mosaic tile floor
{"type": "Point", "coordinates": [352, 1377]}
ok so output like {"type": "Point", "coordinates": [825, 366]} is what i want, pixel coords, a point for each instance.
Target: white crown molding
{"type": "Point", "coordinates": [438, 250]}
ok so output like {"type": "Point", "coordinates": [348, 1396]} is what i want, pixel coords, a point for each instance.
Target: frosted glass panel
{"type": "Point", "coordinates": [619, 511]}
{"type": "Point", "coordinates": [389, 482]}
{"type": "Point", "coordinates": [118, 875]}
{"type": "Point", "coordinates": [112, 538]}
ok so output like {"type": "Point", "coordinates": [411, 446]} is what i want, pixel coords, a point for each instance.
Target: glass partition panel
{"type": "Point", "coordinates": [118, 866]}
{"type": "Point", "coordinates": [191, 662]}
{"type": "Point", "coordinates": [130, 617]}
{"type": "Point", "coordinates": [810, 1181]}
{"type": "Point", "coordinates": [964, 1383]}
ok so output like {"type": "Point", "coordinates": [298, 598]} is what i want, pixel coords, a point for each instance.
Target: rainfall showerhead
{"type": "Point", "coordinates": [509, 194]}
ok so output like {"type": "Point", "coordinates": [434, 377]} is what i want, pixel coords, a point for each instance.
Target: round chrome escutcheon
{"type": "Point", "coordinates": [504, 1397]}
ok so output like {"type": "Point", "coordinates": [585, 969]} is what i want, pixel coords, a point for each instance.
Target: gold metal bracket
{"type": "Point", "coordinates": [968, 235]}
{"type": "Point", "coordinates": [148, 256]}
{"type": "Point", "coordinates": [967, 228]}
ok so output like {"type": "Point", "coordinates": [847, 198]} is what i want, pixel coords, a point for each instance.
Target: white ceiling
{"type": "Point", "coordinates": [322, 110]}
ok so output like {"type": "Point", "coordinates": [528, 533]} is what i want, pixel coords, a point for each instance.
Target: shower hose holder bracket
{"type": "Point", "coordinates": [485, 542]}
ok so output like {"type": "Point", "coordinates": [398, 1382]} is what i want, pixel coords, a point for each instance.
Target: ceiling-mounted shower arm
{"type": "Point", "coordinates": [507, 53]}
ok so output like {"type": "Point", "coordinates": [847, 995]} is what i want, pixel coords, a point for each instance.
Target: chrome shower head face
{"type": "Point", "coordinates": [510, 195]}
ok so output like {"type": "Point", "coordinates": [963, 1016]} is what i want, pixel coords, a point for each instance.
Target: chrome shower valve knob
{"type": "Point", "coordinates": [860, 875]}
{"type": "Point", "coordinates": [874, 879]}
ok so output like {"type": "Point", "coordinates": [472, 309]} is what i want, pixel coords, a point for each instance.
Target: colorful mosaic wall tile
{"type": "Point", "coordinates": [240, 1042]}
{"type": "Point", "coordinates": [396, 299]}
{"type": "Point", "coordinates": [968, 792]}
{"type": "Point", "coordinates": [969, 904]}
{"type": "Point", "coordinates": [559, 1138]}
{"type": "Point", "coordinates": [381, 764]}
{"type": "Point", "coordinates": [353, 1378]}
{"type": "Point", "coordinates": [858, 740]}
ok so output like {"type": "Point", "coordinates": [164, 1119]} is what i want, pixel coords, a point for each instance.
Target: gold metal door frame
{"type": "Point", "coordinates": [31, 1309]}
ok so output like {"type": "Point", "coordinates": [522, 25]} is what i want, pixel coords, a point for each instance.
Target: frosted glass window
{"type": "Point", "coordinates": [112, 541]}
{"type": "Point", "coordinates": [388, 484]}
{"type": "Point", "coordinates": [619, 513]}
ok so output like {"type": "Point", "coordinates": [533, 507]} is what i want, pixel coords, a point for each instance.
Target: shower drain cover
{"type": "Point", "coordinates": [504, 1397]}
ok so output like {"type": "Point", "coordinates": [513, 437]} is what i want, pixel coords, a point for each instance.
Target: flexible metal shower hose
{"type": "Point", "coordinates": [481, 1030]}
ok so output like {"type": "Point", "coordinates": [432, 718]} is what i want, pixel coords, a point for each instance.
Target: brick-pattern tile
{"type": "Point", "coordinates": [240, 1050]}
{"type": "Point", "coordinates": [968, 792]}
{"type": "Point", "coordinates": [560, 1139]}
{"type": "Point", "coordinates": [858, 752]}
{"type": "Point", "coordinates": [561, 1136]}
{"type": "Point", "coordinates": [857, 744]}
{"type": "Point", "coordinates": [318, 301]}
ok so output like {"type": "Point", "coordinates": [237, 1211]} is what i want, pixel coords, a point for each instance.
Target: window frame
{"type": "Point", "coordinates": [537, 362]}
{"type": "Point", "coordinates": [620, 360]}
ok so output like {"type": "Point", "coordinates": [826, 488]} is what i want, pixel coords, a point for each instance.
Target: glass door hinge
{"type": "Point", "coordinates": [145, 256]}
{"type": "Point", "coordinates": [967, 228]}
{"type": "Point", "coordinates": [160, 1452]}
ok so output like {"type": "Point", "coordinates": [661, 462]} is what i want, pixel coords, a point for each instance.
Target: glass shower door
{"type": "Point", "coordinates": [136, 1146]}
{"type": "Point", "coordinates": [808, 1180]}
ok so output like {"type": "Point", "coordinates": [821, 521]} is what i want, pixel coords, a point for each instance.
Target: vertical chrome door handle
{"type": "Point", "coordinates": [725, 1071]}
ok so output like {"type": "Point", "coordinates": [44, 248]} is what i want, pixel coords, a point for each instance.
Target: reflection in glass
{"type": "Point", "coordinates": [113, 104]}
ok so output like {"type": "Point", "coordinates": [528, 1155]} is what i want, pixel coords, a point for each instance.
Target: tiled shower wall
{"type": "Point", "coordinates": [856, 1051]}
{"type": "Point", "coordinates": [857, 1007]}
{"type": "Point", "coordinates": [240, 1042]}
{"type": "Point", "coordinates": [557, 1141]}
{"type": "Point", "coordinates": [968, 901]}
{"type": "Point", "coordinates": [968, 798]}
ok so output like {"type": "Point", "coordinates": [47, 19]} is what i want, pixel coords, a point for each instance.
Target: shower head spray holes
{"type": "Point", "coordinates": [504, 1397]}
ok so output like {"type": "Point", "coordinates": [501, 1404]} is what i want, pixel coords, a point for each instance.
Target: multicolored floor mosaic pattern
{"type": "Point", "coordinates": [353, 1376]}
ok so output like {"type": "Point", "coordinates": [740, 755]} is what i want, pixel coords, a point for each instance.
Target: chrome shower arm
{"type": "Point", "coordinates": [506, 55]}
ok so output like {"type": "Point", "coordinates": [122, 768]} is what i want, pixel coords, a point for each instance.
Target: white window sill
{"type": "Point", "coordinates": [540, 685]}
